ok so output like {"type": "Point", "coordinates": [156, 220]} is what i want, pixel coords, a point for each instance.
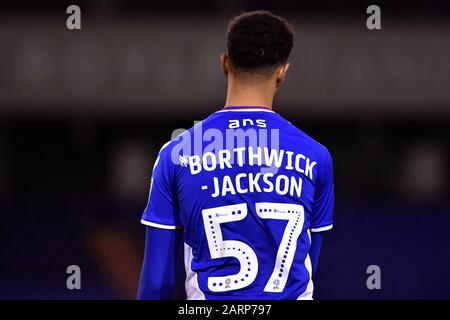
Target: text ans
{"type": "Point", "coordinates": [233, 124]}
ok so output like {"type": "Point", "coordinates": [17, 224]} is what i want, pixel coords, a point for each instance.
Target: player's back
{"type": "Point", "coordinates": [247, 187]}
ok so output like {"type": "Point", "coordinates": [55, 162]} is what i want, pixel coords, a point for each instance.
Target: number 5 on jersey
{"type": "Point", "coordinates": [219, 248]}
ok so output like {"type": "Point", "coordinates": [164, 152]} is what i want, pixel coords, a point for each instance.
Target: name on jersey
{"type": "Point", "coordinates": [254, 182]}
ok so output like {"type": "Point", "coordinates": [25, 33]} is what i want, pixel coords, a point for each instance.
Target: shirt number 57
{"type": "Point", "coordinates": [220, 248]}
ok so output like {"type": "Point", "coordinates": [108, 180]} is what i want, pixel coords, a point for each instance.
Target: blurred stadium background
{"type": "Point", "coordinates": [83, 114]}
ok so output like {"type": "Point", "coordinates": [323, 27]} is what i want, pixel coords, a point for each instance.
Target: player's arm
{"type": "Point", "coordinates": [314, 250]}
{"type": "Point", "coordinates": [159, 267]}
{"type": "Point", "coordinates": [322, 213]}
{"type": "Point", "coordinates": [163, 235]}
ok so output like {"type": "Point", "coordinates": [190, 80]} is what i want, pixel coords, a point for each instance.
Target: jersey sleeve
{"type": "Point", "coordinates": [323, 206]}
{"type": "Point", "coordinates": [162, 209]}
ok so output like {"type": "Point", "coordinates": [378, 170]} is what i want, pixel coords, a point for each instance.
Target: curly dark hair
{"type": "Point", "coordinates": [258, 41]}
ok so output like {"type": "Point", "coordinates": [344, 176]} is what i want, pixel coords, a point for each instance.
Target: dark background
{"type": "Point", "coordinates": [83, 114]}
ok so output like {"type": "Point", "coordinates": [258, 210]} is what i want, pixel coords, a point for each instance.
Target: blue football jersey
{"type": "Point", "coordinates": [247, 187]}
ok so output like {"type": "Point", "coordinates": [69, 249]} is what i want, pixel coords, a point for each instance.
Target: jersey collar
{"type": "Point", "coordinates": [246, 108]}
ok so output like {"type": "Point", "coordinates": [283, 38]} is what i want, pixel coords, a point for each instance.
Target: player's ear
{"type": "Point", "coordinates": [281, 73]}
{"type": "Point", "coordinates": [225, 63]}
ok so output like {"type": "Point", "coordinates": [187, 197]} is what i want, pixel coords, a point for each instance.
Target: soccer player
{"type": "Point", "coordinates": [245, 192]}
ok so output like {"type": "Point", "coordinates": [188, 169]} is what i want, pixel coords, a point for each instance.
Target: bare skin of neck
{"type": "Point", "coordinates": [252, 89]}
{"type": "Point", "coordinates": [250, 92]}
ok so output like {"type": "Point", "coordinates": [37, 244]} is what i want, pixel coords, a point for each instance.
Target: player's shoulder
{"type": "Point", "coordinates": [181, 145]}
{"type": "Point", "coordinates": [303, 139]}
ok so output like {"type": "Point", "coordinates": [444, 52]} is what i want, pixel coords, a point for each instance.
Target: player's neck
{"type": "Point", "coordinates": [249, 95]}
